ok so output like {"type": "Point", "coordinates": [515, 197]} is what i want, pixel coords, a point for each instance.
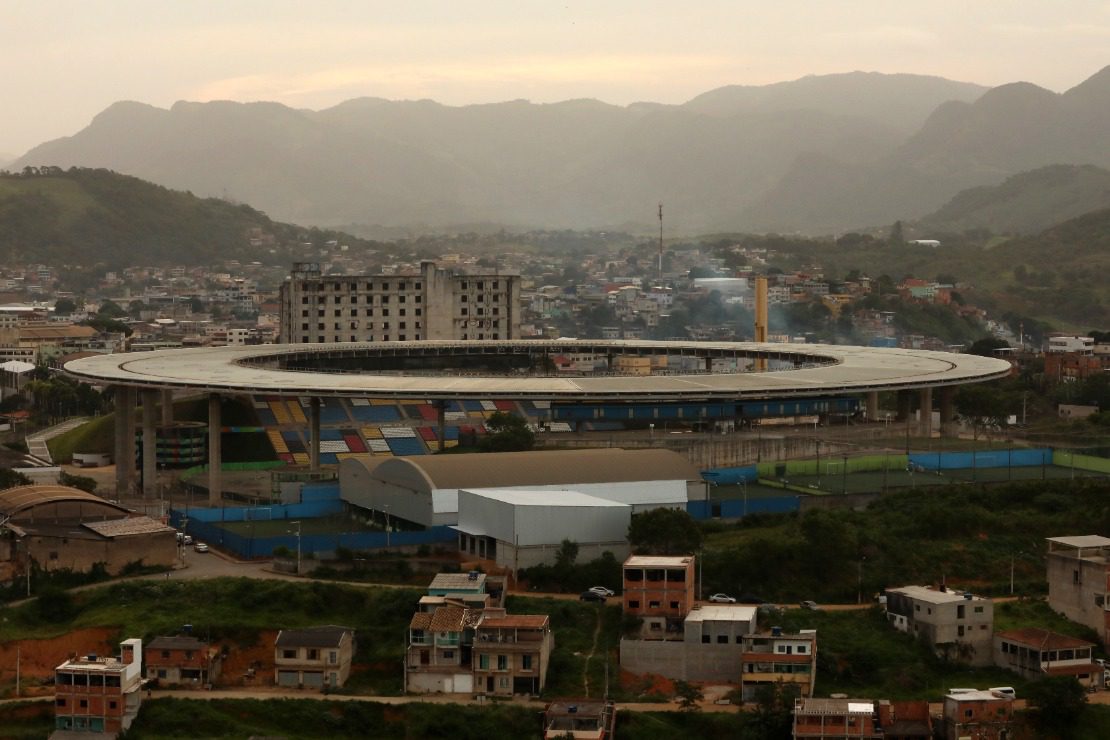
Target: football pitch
{"type": "Point", "coordinates": [834, 480]}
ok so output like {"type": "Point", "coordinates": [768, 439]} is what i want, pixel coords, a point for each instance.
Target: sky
{"type": "Point", "coordinates": [64, 61]}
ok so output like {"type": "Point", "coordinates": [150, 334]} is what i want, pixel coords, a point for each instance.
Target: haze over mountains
{"type": "Point", "coordinates": [813, 155]}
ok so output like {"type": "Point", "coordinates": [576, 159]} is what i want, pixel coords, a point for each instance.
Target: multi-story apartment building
{"type": "Point", "coordinates": [1079, 580]}
{"type": "Point", "coordinates": [1035, 653]}
{"type": "Point", "coordinates": [959, 625]}
{"type": "Point", "coordinates": [777, 657]}
{"type": "Point", "coordinates": [660, 591]}
{"type": "Point", "coordinates": [314, 657]}
{"type": "Point", "coordinates": [511, 653]}
{"type": "Point", "coordinates": [440, 648]}
{"type": "Point", "coordinates": [435, 303]}
{"type": "Point", "coordinates": [94, 694]}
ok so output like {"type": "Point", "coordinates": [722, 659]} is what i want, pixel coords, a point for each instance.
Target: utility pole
{"type": "Point", "coordinates": [660, 242]}
{"type": "Point", "coordinates": [298, 546]}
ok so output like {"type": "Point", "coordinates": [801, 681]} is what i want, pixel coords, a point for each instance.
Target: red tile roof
{"type": "Point", "coordinates": [516, 621]}
{"type": "Point", "coordinates": [1043, 639]}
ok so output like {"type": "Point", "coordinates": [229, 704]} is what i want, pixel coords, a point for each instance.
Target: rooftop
{"type": "Point", "coordinates": [128, 526]}
{"type": "Point", "coordinates": [658, 561]}
{"type": "Point", "coordinates": [934, 596]}
{"type": "Point", "coordinates": [977, 695]}
{"type": "Point", "coordinates": [176, 642]}
{"type": "Point", "coordinates": [1081, 541]}
{"type": "Point", "coordinates": [722, 613]}
{"type": "Point", "coordinates": [458, 582]}
{"type": "Point", "coordinates": [329, 635]}
{"type": "Point", "coordinates": [1043, 639]}
{"type": "Point", "coordinates": [516, 621]}
{"type": "Point", "coordinates": [834, 706]}
{"type": "Point", "coordinates": [544, 498]}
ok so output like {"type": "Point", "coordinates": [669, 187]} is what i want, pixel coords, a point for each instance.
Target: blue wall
{"type": "Point", "coordinates": [738, 508]}
{"type": "Point", "coordinates": [1016, 458]}
{"type": "Point", "coordinates": [731, 476]}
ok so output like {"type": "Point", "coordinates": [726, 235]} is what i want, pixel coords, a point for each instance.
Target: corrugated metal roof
{"type": "Point", "coordinates": [516, 621]}
{"type": "Point", "coordinates": [539, 468]}
{"type": "Point", "coordinates": [14, 500]}
{"type": "Point", "coordinates": [128, 526]}
{"type": "Point", "coordinates": [1082, 541]}
{"type": "Point", "coordinates": [1043, 639]}
{"type": "Point", "coordinates": [518, 497]}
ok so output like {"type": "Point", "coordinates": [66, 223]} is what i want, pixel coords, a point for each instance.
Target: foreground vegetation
{"type": "Point", "coordinates": [966, 535]}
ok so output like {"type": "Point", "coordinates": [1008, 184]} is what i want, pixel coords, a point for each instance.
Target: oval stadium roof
{"type": "Point", "coordinates": [822, 370]}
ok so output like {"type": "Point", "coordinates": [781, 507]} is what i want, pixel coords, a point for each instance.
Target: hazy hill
{"type": "Point", "coordinates": [571, 164]}
{"type": "Point", "coordinates": [85, 217]}
{"type": "Point", "coordinates": [902, 101]}
{"type": "Point", "coordinates": [1025, 203]}
{"type": "Point", "coordinates": [1009, 129]}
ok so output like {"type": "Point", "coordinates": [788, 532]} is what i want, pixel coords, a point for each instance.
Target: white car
{"type": "Point", "coordinates": [602, 591]}
{"type": "Point", "coordinates": [722, 599]}
{"type": "Point", "coordinates": [200, 547]}
{"type": "Point", "coordinates": [187, 540]}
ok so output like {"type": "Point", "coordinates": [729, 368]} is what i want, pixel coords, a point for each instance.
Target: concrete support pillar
{"type": "Point", "coordinates": [314, 435]}
{"type": "Point", "coordinates": [926, 412]}
{"type": "Point", "coordinates": [948, 427]}
{"type": "Point", "coordinates": [125, 439]}
{"type": "Point", "coordinates": [150, 444]}
{"type": "Point", "coordinates": [441, 417]}
{"type": "Point", "coordinates": [167, 407]}
{"type": "Point", "coordinates": [215, 459]}
{"type": "Point", "coordinates": [708, 364]}
{"type": "Point", "coordinates": [905, 405]}
{"type": "Point", "coordinates": [873, 406]}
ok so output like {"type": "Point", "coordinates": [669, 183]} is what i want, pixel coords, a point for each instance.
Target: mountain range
{"type": "Point", "coordinates": [818, 154]}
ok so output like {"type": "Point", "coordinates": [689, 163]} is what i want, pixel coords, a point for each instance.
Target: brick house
{"type": "Point", "coordinates": [181, 660]}
{"type": "Point", "coordinates": [511, 653]}
{"type": "Point", "coordinates": [95, 694]}
{"type": "Point", "coordinates": [314, 657]}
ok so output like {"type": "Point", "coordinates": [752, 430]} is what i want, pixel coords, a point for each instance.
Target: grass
{"type": "Point", "coordinates": [968, 534]}
{"type": "Point", "coordinates": [860, 654]}
{"type": "Point", "coordinates": [1037, 613]}
{"type": "Point", "coordinates": [309, 719]}
{"type": "Point", "coordinates": [98, 435]}
{"type": "Point", "coordinates": [26, 720]}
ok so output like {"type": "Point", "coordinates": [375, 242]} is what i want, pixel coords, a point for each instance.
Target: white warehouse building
{"type": "Point", "coordinates": [424, 489]}
{"type": "Point", "coordinates": [520, 529]}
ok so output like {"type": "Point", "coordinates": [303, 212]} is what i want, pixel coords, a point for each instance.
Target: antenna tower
{"type": "Point", "coordinates": [660, 241]}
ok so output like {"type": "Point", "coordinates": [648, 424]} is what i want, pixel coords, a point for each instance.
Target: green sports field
{"type": "Point", "coordinates": [833, 479]}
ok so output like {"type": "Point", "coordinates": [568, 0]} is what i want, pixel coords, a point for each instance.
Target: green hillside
{"type": "Point", "coordinates": [1025, 203]}
{"type": "Point", "coordinates": [86, 217]}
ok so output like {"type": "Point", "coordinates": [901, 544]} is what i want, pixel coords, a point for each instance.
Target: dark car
{"type": "Point", "coordinates": [591, 596]}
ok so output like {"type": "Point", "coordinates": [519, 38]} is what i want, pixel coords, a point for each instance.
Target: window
{"type": "Point", "coordinates": [111, 705]}
{"type": "Point", "coordinates": [84, 703]}
{"type": "Point", "coordinates": [960, 631]}
{"type": "Point", "coordinates": [674, 604]}
{"type": "Point", "coordinates": [61, 702]}
{"type": "Point", "coordinates": [705, 639]}
{"type": "Point", "coordinates": [449, 654]}
{"type": "Point", "coordinates": [655, 626]}
{"type": "Point", "coordinates": [304, 313]}
{"type": "Point", "coordinates": [483, 662]}
{"type": "Point", "coordinates": [304, 299]}
{"type": "Point", "coordinates": [338, 312]}
{"type": "Point", "coordinates": [526, 662]}
{"type": "Point", "coordinates": [112, 681]}
{"type": "Point", "coordinates": [385, 312]}
{"type": "Point", "coordinates": [722, 639]}
{"type": "Point", "coordinates": [402, 312]}
{"type": "Point", "coordinates": [289, 654]}
{"type": "Point", "coordinates": [967, 713]}
{"type": "Point", "coordinates": [653, 605]}
{"type": "Point", "coordinates": [464, 310]}
{"type": "Point", "coordinates": [801, 650]}
{"type": "Point", "coordinates": [634, 604]}
{"type": "Point", "coordinates": [496, 285]}
{"type": "Point", "coordinates": [917, 607]}
{"type": "Point", "coordinates": [978, 610]}
{"type": "Point", "coordinates": [502, 662]}
{"type": "Point", "coordinates": [464, 287]}
{"type": "Point", "coordinates": [1075, 576]}
{"type": "Point", "coordinates": [503, 683]}
{"type": "Point", "coordinates": [481, 285]}
{"type": "Point", "coordinates": [65, 679]}
{"type": "Point", "coordinates": [960, 611]}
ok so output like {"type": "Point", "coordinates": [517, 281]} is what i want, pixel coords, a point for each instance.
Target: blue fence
{"type": "Point", "coordinates": [739, 508]}
{"type": "Point", "coordinates": [1014, 458]}
{"type": "Point", "coordinates": [731, 476]}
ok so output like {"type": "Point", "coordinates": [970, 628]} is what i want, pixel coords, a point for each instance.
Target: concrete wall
{"type": "Point", "coordinates": [1072, 587]}
{"type": "Point", "coordinates": [684, 661]}
{"type": "Point", "coordinates": [80, 554]}
{"type": "Point", "coordinates": [525, 557]}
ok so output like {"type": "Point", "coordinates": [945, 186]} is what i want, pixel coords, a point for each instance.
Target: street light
{"type": "Point", "coordinates": [298, 545]}
{"type": "Point", "coordinates": [386, 507]}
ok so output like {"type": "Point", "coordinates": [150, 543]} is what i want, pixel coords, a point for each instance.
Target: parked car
{"type": "Point", "coordinates": [591, 596]}
{"type": "Point", "coordinates": [603, 591]}
{"type": "Point", "coordinates": [1007, 691]}
{"type": "Point", "coordinates": [809, 604]}
{"type": "Point", "coordinates": [722, 599]}
{"type": "Point", "coordinates": [200, 547]}
{"type": "Point", "coordinates": [187, 540]}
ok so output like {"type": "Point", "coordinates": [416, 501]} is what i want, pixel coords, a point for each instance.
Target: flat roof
{"type": "Point", "coordinates": [822, 370]}
{"type": "Point", "coordinates": [457, 581]}
{"type": "Point", "coordinates": [128, 526]}
{"type": "Point", "coordinates": [658, 561]}
{"type": "Point", "coordinates": [722, 613]}
{"type": "Point", "coordinates": [977, 695]}
{"type": "Point", "coordinates": [819, 705]}
{"type": "Point", "coordinates": [543, 498]}
{"type": "Point", "coordinates": [934, 596]}
{"type": "Point", "coordinates": [1081, 541]}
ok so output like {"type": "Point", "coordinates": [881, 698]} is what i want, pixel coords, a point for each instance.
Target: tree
{"type": "Point", "coordinates": [773, 715]}
{"type": "Point", "coordinates": [1056, 703]}
{"type": "Point", "coordinates": [897, 238]}
{"type": "Point", "coordinates": [64, 307]}
{"type": "Point", "coordinates": [986, 346]}
{"type": "Point", "coordinates": [567, 554]}
{"type": "Point", "coordinates": [688, 695]}
{"type": "Point", "coordinates": [507, 433]}
{"type": "Point", "coordinates": [984, 406]}
{"type": "Point", "coordinates": [664, 532]}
